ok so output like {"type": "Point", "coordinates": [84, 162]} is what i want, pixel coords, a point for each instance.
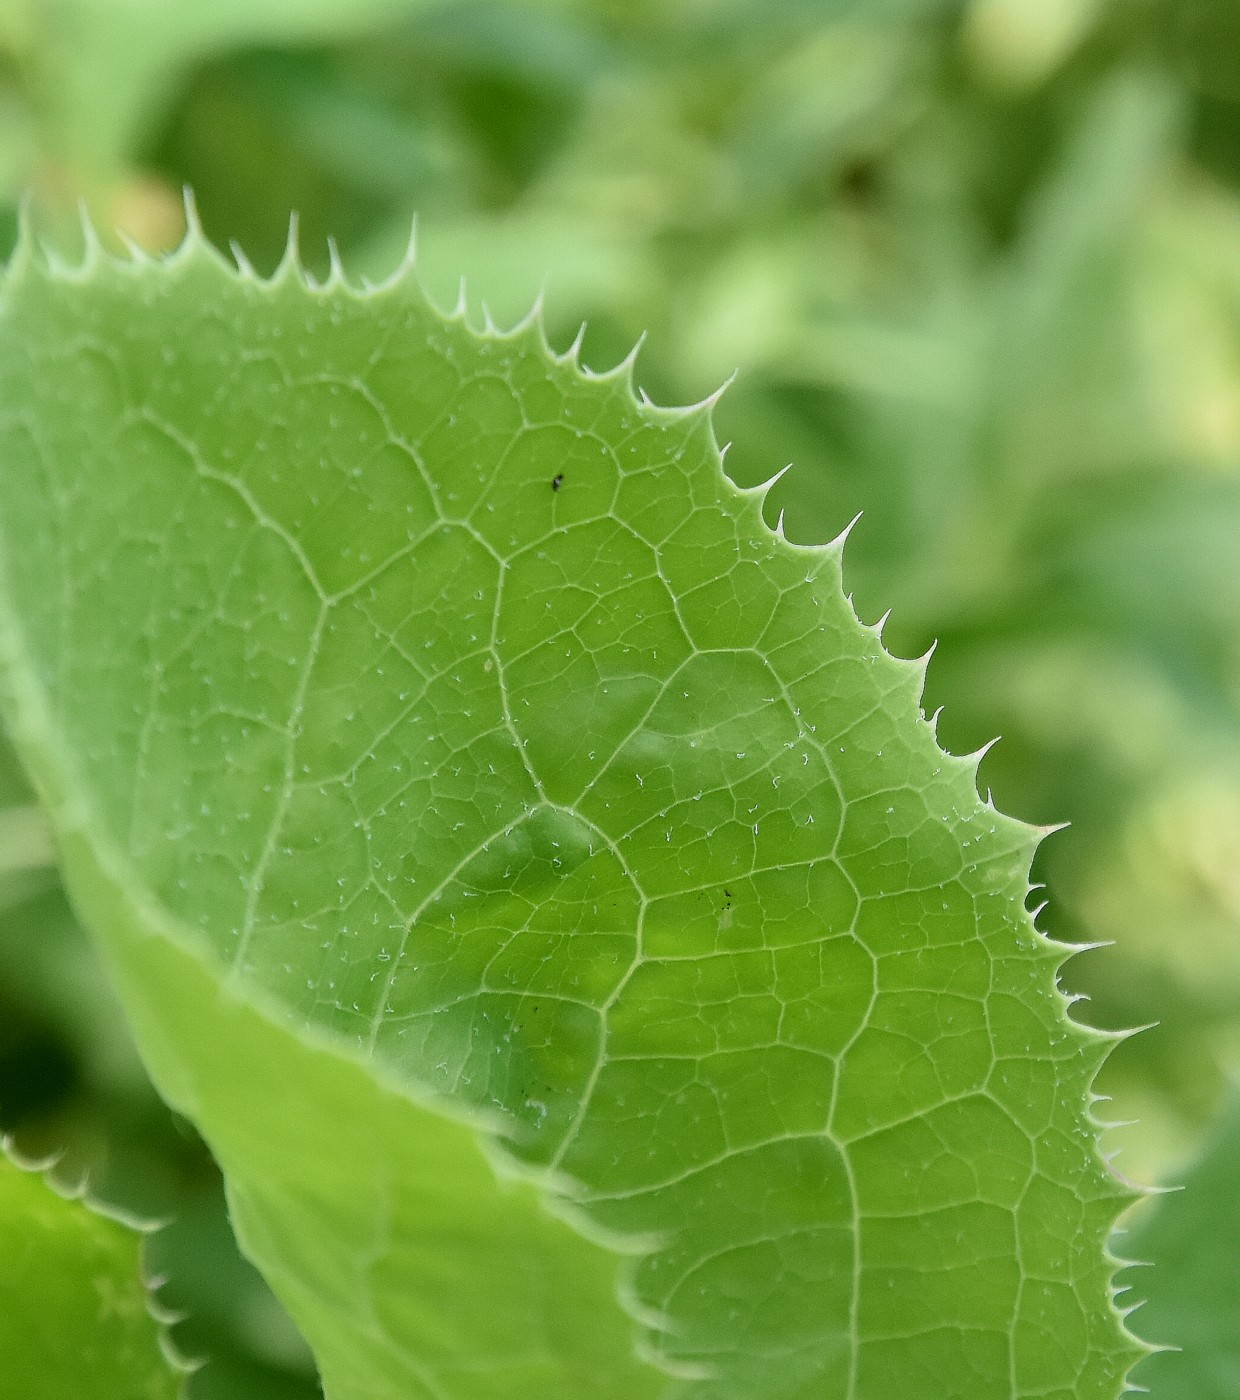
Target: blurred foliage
{"type": "Point", "coordinates": [1192, 1239]}
{"type": "Point", "coordinates": [978, 263]}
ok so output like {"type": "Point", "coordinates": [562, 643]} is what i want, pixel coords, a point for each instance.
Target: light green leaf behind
{"type": "Point", "coordinates": [1191, 1238]}
{"type": "Point", "coordinates": [426, 720]}
{"type": "Point", "coordinates": [76, 1320]}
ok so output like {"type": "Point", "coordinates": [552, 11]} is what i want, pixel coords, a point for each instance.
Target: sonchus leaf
{"type": "Point", "coordinates": [1191, 1238]}
{"type": "Point", "coordinates": [76, 1319]}
{"type": "Point", "coordinates": [544, 894]}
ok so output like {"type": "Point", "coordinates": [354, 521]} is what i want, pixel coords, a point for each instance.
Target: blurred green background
{"type": "Point", "coordinates": [978, 264]}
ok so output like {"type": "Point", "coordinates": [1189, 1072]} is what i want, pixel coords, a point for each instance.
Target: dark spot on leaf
{"type": "Point", "coordinates": [557, 481]}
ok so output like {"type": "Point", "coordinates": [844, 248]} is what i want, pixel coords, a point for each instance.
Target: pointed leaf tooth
{"type": "Point", "coordinates": [759, 492]}
{"type": "Point", "coordinates": [1126, 1311]}
{"type": "Point", "coordinates": [1108, 1125]}
{"type": "Point", "coordinates": [1162, 1188]}
{"type": "Point", "coordinates": [245, 268]}
{"type": "Point", "coordinates": [922, 666]}
{"type": "Point", "coordinates": [533, 318]}
{"type": "Point", "coordinates": [1120, 1036]}
{"type": "Point", "coordinates": [92, 247]}
{"type": "Point", "coordinates": [837, 544]}
{"type": "Point", "coordinates": [710, 402]}
{"type": "Point", "coordinates": [409, 259]}
{"type": "Point", "coordinates": [193, 223]}
{"type": "Point", "coordinates": [625, 369]}
{"type": "Point", "coordinates": [289, 266]}
{"type": "Point", "coordinates": [1069, 950]}
{"type": "Point", "coordinates": [460, 312]}
{"type": "Point", "coordinates": [405, 268]}
{"type": "Point", "coordinates": [572, 355]}
{"type": "Point", "coordinates": [764, 489]}
{"type": "Point", "coordinates": [974, 759]}
{"type": "Point", "coordinates": [335, 274]}
{"type": "Point", "coordinates": [138, 255]}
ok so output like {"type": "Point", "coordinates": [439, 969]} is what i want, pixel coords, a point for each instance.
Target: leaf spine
{"type": "Point", "coordinates": [245, 267]}
{"type": "Point", "coordinates": [193, 224]}
{"type": "Point", "coordinates": [460, 311]}
{"type": "Point", "coordinates": [335, 266]}
{"type": "Point", "coordinates": [138, 255]}
{"type": "Point", "coordinates": [572, 354]}
{"type": "Point", "coordinates": [623, 370]}
{"type": "Point", "coordinates": [290, 260]}
{"type": "Point", "coordinates": [764, 488]}
{"type": "Point", "coordinates": [533, 318]}
{"type": "Point", "coordinates": [836, 545]}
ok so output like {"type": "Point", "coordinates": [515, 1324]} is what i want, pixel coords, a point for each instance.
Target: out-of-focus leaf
{"type": "Point", "coordinates": [1191, 1237]}
{"type": "Point", "coordinates": [1019, 43]}
{"type": "Point", "coordinates": [76, 1318]}
{"type": "Point", "coordinates": [109, 66]}
{"type": "Point", "coordinates": [1061, 350]}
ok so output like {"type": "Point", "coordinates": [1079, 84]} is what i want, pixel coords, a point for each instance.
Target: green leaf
{"type": "Point", "coordinates": [76, 1319]}
{"type": "Point", "coordinates": [109, 66]}
{"type": "Point", "coordinates": [525, 869]}
{"type": "Point", "coordinates": [1192, 1239]}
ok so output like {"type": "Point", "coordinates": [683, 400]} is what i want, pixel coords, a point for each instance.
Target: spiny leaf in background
{"type": "Point", "coordinates": [77, 1321]}
{"type": "Point", "coordinates": [479, 806]}
{"type": "Point", "coordinates": [1191, 1238]}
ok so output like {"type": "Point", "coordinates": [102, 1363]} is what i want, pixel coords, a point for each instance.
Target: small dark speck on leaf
{"type": "Point", "coordinates": [557, 481]}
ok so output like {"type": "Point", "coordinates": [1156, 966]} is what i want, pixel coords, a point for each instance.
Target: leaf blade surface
{"type": "Point", "coordinates": [457, 711]}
